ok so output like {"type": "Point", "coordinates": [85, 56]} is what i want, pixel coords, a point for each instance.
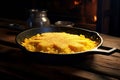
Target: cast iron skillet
{"type": "Point", "coordinates": [62, 57]}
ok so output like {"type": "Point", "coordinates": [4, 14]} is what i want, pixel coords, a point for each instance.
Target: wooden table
{"type": "Point", "coordinates": [14, 64]}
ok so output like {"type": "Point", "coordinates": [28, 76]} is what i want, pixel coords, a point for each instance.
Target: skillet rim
{"type": "Point", "coordinates": [90, 31]}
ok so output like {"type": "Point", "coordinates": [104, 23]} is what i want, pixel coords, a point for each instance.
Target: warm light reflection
{"type": "Point", "coordinates": [95, 18]}
{"type": "Point", "coordinates": [76, 2]}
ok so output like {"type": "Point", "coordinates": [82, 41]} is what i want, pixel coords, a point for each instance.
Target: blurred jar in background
{"type": "Point", "coordinates": [38, 18]}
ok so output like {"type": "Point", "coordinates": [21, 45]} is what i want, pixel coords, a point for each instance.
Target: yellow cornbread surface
{"type": "Point", "coordinates": [58, 43]}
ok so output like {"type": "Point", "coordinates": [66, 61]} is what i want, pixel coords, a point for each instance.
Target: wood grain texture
{"type": "Point", "coordinates": [95, 66]}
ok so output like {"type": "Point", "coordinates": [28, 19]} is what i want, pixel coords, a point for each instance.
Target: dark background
{"type": "Point", "coordinates": [15, 9]}
{"type": "Point", "coordinates": [19, 9]}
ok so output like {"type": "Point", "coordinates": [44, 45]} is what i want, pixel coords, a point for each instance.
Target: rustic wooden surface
{"type": "Point", "coordinates": [13, 63]}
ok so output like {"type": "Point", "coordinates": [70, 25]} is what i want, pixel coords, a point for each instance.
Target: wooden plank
{"type": "Point", "coordinates": [95, 66]}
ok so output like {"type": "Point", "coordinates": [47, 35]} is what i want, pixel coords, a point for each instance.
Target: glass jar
{"type": "Point", "coordinates": [38, 19]}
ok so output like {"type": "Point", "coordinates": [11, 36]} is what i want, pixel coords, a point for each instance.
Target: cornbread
{"type": "Point", "coordinates": [58, 43]}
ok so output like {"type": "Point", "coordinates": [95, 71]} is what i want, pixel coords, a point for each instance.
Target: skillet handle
{"type": "Point", "coordinates": [104, 50]}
